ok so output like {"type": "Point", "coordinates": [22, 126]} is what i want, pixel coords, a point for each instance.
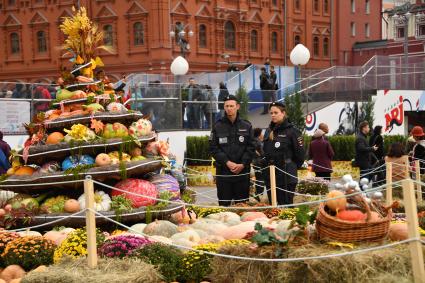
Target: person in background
{"type": "Point", "coordinates": [258, 162]}
{"type": "Point", "coordinates": [4, 146]}
{"type": "Point", "coordinates": [399, 160]}
{"type": "Point", "coordinates": [4, 163]}
{"type": "Point", "coordinates": [221, 97]}
{"type": "Point", "coordinates": [194, 109]}
{"type": "Point", "coordinates": [232, 146]}
{"type": "Point", "coordinates": [364, 151]}
{"type": "Point", "coordinates": [41, 92]}
{"type": "Point", "coordinates": [324, 127]}
{"type": "Point", "coordinates": [211, 108]}
{"type": "Point", "coordinates": [283, 147]}
{"type": "Point", "coordinates": [265, 90]}
{"type": "Point", "coordinates": [18, 92]}
{"type": "Point", "coordinates": [419, 149]}
{"type": "Point", "coordinates": [267, 64]}
{"type": "Point", "coordinates": [378, 140]}
{"type": "Point", "coordinates": [273, 83]}
{"type": "Point", "coordinates": [321, 152]}
{"type": "Point", "coordinates": [247, 64]}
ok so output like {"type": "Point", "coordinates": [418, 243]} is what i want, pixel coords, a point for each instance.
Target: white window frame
{"type": "Point", "coordinates": [367, 7]}
{"type": "Point", "coordinates": [353, 28]}
{"type": "Point", "coordinates": [353, 6]}
{"type": "Point", "coordinates": [367, 30]}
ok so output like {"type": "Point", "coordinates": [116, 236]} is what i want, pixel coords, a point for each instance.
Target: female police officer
{"type": "Point", "coordinates": [284, 148]}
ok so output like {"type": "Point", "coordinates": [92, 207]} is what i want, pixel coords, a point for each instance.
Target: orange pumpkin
{"type": "Point", "coordinates": [53, 116]}
{"type": "Point", "coordinates": [54, 138]}
{"type": "Point", "coordinates": [72, 206]}
{"type": "Point", "coordinates": [25, 170]}
{"type": "Point", "coordinates": [351, 215]}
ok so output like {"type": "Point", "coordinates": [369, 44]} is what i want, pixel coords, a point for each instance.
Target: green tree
{"type": "Point", "coordinates": [242, 96]}
{"type": "Point", "coordinates": [294, 110]}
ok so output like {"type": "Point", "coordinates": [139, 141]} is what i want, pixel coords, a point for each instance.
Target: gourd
{"type": "Point", "coordinates": [6, 195]}
{"type": "Point", "coordinates": [228, 218]}
{"type": "Point", "coordinates": [252, 215]}
{"type": "Point", "coordinates": [398, 232]}
{"type": "Point", "coordinates": [351, 215]}
{"type": "Point", "coordinates": [283, 226]}
{"type": "Point", "coordinates": [24, 171]}
{"type": "Point", "coordinates": [138, 228]}
{"type": "Point", "coordinates": [238, 231]}
{"type": "Point", "coordinates": [161, 239]}
{"type": "Point", "coordinates": [55, 138]}
{"type": "Point", "coordinates": [12, 272]}
{"type": "Point", "coordinates": [74, 161]}
{"type": "Point", "coordinates": [210, 226]}
{"type": "Point", "coordinates": [137, 189]}
{"type": "Point", "coordinates": [188, 235]}
{"type": "Point", "coordinates": [29, 233]}
{"type": "Point", "coordinates": [336, 204]}
{"type": "Point", "coordinates": [180, 217]}
{"type": "Point", "coordinates": [72, 206]}
{"type": "Point", "coordinates": [56, 237]}
{"type": "Point", "coordinates": [102, 201]}
{"type": "Point", "coordinates": [161, 228]}
{"type": "Point", "coordinates": [211, 239]}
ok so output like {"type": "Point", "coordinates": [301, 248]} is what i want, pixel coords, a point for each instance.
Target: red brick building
{"type": "Point", "coordinates": [140, 33]}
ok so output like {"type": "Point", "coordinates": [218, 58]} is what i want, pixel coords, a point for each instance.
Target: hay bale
{"type": "Point", "coordinates": [387, 265]}
{"type": "Point", "coordinates": [108, 270]}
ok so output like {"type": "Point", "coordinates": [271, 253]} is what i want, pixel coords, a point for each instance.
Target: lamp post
{"type": "Point", "coordinates": [181, 36]}
{"type": "Point", "coordinates": [300, 56]}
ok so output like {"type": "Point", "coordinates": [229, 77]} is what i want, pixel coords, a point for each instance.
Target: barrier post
{"type": "Point", "coordinates": [418, 182]}
{"type": "Point", "coordinates": [389, 176]}
{"type": "Point", "coordinates": [273, 184]}
{"type": "Point", "coordinates": [90, 222]}
{"type": "Point", "coordinates": [415, 247]}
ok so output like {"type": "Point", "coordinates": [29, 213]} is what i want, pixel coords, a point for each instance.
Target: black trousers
{"type": "Point", "coordinates": [283, 197]}
{"type": "Point", "coordinates": [232, 188]}
{"type": "Point", "coordinates": [267, 97]}
{"type": "Point", "coordinates": [259, 182]}
{"type": "Point", "coordinates": [324, 175]}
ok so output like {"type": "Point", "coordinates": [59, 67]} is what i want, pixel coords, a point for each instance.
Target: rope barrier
{"type": "Point", "coordinates": [43, 184]}
{"type": "Point", "coordinates": [265, 259]}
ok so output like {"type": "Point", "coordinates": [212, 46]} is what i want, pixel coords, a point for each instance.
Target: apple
{"type": "Point", "coordinates": [103, 159]}
{"type": "Point", "coordinates": [137, 151]}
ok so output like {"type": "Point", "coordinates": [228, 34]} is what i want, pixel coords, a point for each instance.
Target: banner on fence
{"type": "Point", "coordinates": [13, 115]}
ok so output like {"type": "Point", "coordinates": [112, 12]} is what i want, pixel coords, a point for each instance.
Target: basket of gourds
{"type": "Point", "coordinates": [352, 219]}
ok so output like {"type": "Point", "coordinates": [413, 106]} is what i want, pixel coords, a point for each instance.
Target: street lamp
{"type": "Point", "coordinates": [180, 34]}
{"type": "Point", "coordinates": [179, 66]}
{"type": "Point", "coordinates": [300, 56]}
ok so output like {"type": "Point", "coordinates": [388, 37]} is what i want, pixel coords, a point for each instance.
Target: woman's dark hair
{"type": "Point", "coordinates": [222, 85]}
{"type": "Point", "coordinates": [396, 150]}
{"type": "Point", "coordinates": [377, 130]}
{"type": "Point", "coordinates": [257, 132]}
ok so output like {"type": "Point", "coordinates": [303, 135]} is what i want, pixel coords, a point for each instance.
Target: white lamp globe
{"type": "Point", "coordinates": [180, 66]}
{"type": "Point", "coordinates": [300, 55]}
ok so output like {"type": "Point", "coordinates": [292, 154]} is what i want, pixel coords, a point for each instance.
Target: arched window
{"type": "Point", "coordinates": [254, 40]}
{"type": "Point", "coordinates": [41, 41]}
{"type": "Point", "coordinates": [326, 6]}
{"type": "Point", "coordinates": [297, 4]}
{"type": "Point", "coordinates": [274, 41]}
{"type": "Point", "coordinates": [297, 40]}
{"type": "Point", "coordinates": [108, 37]}
{"type": "Point", "coordinates": [316, 5]}
{"type": "Point", "coordinates": [203, 36]}
{"type": "Point", "coordinates": [229, 35]}
{"type": "Point", "coordinates": [316, 46]}
{"type": "Point", "coordinates": [326, 47]}
{"type": "Point", "coordinates": [14, 43]}
{"type": "Point", "coordinates": [138, 33]}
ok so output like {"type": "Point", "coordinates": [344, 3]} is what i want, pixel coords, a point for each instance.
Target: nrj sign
{"type": "Point", "coordinates": [394, 115]}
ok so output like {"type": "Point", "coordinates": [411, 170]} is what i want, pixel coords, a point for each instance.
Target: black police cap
{"type": "Point", "coordinates": [231, 97]}
{"type": "Point", "coordinates": [278, 104]}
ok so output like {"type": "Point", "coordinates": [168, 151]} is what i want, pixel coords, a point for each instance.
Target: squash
{"type": "Point", "coordinates": [138, 228]}
{"type": "Point", "coordinates": [146, 192]}
{"type": "Point", "coordinates": [211, 239]}
{"type": "Point", "coordinates": [161, 228]}
{"type": "Point", "coordinates": [161, 239]}
{"type": "Point", "coordinates": [188, 235]}
{"type": "Point", "coordinates": [352, 215]}
{"type": "Point", "coordinates": [102, 201]}
{"type": "Point", "coordinates": [102, 159]}
{"type": "Point", "coordinates": [336, 204]}
{"type": "Point", "coordinates": [374, 216]}
{"type": "Point", "coordinates": [398, 232]}
{"type": "Point", "coordinates": [6, 195]}
{"type": "Point", "coordinates": [29, 233]}
{"type": "Point", "coordinates": [25, 171]}
{"type": "Point", "coordinates": [55, 138]}
{"type": "Point", "coordinates": [56, 237]}
{"type": "Point", "coordinates": [228, 218]}
{"type": "Point", "coordinates": [210, 226]}
{"type": "Point", "coordinates": [252, 215]}
{"type": "Point", "coordinates": [72, 206]}
{"type": "Point", "coordinates": [12, 272]}
{"type": "Point", "coordinates": [238, 231]}
{"type": "Point", "coordinates": [41, 268]}
{"type": "Point", "coordinates": [283, 226]}
{"type": "Point", "coordinates": [180, 217]}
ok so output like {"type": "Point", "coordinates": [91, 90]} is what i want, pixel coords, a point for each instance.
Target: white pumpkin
{"type": "Point", "coordinates": [161, 239]}
{"type": "Point", "coordinates": [283, 226]}
{"type": "Point", "coordinates": [6, 195]}
{"type": "Point", "coordinates": [115, 107]}
{"type": "Point", "coordinates": [189, 235]}
{"type": "Point", "coordinates": [138, 228]}
{"type": "Point", "coordinates": [29, 233]}
{"type": "Point", "coordinates": [210, 226]}
{"type": "Point", "coordinates": [184, 242]}
{"type": "Point", "coordinates": [228, 218]}
{"type": "Point", "coordinates": [212, 239]}
{"type": "Point", "coordinates": [102, 201]}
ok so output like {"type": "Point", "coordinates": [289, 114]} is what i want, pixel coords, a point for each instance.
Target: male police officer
{"type": "Point", "coordinates": [232, 146]}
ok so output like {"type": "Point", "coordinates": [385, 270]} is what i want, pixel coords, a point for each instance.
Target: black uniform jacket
{"type": "Point", "coordinates": [363, 151]}
{"type": "Point", "coordinates": [232, 142]}
{"type": "Point", "coordinates": [285, 150]}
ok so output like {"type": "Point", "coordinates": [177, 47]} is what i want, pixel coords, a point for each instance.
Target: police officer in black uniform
{"type": "Point", "coordinates": [232, 146]}
{"type": "Point", "coordinates": [284, 148]}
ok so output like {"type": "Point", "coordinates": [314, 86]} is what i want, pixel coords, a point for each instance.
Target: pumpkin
{"type": "Point", "coordinates": [374, 217]}
{"type": "Point", "coordinates": [56, 237]}
{"type": "Point", "coordinates": [336, 204]}
{"type": "Point", "coordinates": [283, 226]}
{"type": "Point", "coordinates": [29, 233]}
{"type": "Point", "coordinates": [252, 215]}
{"type": "Point", "coordinates": [115, 107]}
{"type": "Point", "coordinates": [75, 160]}
{"type": "Point", "coordinates": [228, 218]}
{"type": "Point", "coordinates": [165, 182]}
{"type": "Point", "coordinates": [115, 130]}
{"type": "Point", "coordinates": [161, 228]}
{"type": "Point", "coordinates": [238, 231]}
{"type": "Point", "coordinates": [398, 232]}
{"type": "Point", "coordinates": [351, 215]}
{"type": "Point", "coordinates": [55, 138]}
{"type": "Point", "coordinates": [211, 239]}
{"type": "Point", "coordinates": [137, 186]}
{"type": "Point", "coordinates": [1, 280]}
{"type": "Point", "coordinates": [103, 159]}
{"type": "Point", "coordinates": [136, 151]}
{"type": "Point", "coordinates": [41, 268]}
{"type": "Point", "coordinates": [161, 239]}
{"type": "Point", "coordinates": [102, 201]}
{"type": "Point", "coordinates": [12, 272]}
{"type": "Point", "coordinates": [189, 235]}
{"type": "Point", "coordinates": [180, 217]}
{"type": "Point", "coordinates": [24, 171]}
{"type": "Point", "coordinates": [115, 157]}
{"type": "Point", "coordinates": [210, 226]}
{"type": "Point", "coordinates": [6, 195]}
{"type": "Point", "coordinates": [72, 206]}
{"type": "Point", "coordinates": [138, 228]}
{"type": "Point", "coordinates": [141, 127]}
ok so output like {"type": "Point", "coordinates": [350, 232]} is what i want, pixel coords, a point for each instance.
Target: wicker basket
{"type": "Point", "coordinates": [330, 227]}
